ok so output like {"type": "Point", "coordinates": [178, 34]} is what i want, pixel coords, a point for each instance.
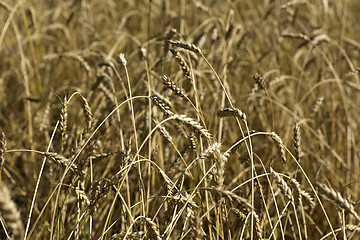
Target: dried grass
{"type": "Point", "coordinates": [121, 69]}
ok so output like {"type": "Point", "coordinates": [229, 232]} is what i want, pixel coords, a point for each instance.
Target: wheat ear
{"type": "Point", "coordinates": [338, 199]}
{"type": "Point", "coordinates": [280, 182]}
{"type": "Point", "coordinates": [172, 85]}
{"type": "Point", "coordinates": [280, 145]}
{"type": "Point", "coordinates": [300, 193]}
{"type": "Point", "coordinates": [231, 112]}
{"type": "Point", "coordinates": [163, 107]}
{"type": "Point", "coordinates": [153, 232]}
{"type": "Point", "coordinates": [184, 66]}
{"type": "Point", "coordinates": [10, 213]}
{"type": "Point", "coordinates": [185, 45]}
{"type": "Point", "coordinates": [87, 112]}
{"type": "Point", "coordinates": [297, 142]}
{"type": "Point", "coordinates": [2, 150]}
{"type": "Point", "coordinates": [194, 124]}
{"type": "Point", "coordinates": [63, 161]}
{"type": "Point", "coordinates": [64, 116]}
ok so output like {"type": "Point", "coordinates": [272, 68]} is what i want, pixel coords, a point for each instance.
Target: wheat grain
{"type": "Point", "coordinates": [131, 235]}
{"type": "Point", "coordinates": [45, 121]}
{"type": "Point", "coordinates": [100, 156]}
{"type": "Point", "coordinates": [257, 226]}
{"type": "Point", "coordinates": [296, 36]}
{"type": "Point", "coordinates": [142, 53]}
{"type": "Point", "coordinates": [193, 141]}
{"type": "Point", "coordinates": [353, 228]}
{"type": "Point", "coordinates": [82, 195]}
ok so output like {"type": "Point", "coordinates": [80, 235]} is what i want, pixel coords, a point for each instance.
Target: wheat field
{"type": "Point", "coordinates": [184, 119]}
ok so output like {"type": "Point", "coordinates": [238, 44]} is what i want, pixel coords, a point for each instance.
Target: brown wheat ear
{"type": "Point", "coordinates": [281, 183]}
{"type": "Point", "coordinates": [153, 232]}
{"type": "Point", "coordinates": [301, 194]}
{"type": "Point", "coordinates": [87, 112]}
{"type": "Point", "coordinates": [185, 45]}
{"type": "Point", "coordinates": [184, 66]}
{"type": "Point", "coordinates": [64, 116]}
{"type": "Point", "coordinates": [280, 145]}
{"type": "Point", "coordinates": [259, 81]}
{"type": "Point", "coordinates": [338, 199]}
{"type": "Point", "coordinates": [163, 107]}
{"type": "Point", "coordinates": [231, 112]}
{"type": "Point", "coordinates": [162, 130]}
{"type": "Point", "coordinates": [2, 150]}
{"type": "Point", "coordinates": [297, 142]}
{"type": "Point", "coordinates": [194, 124]}
{"type": "Point", "coordinates": [63, 161]}
{"type": "Point", "coordinates": [10, 213]}
{"type": "Point", "coordinates": [317, 105]}
{"type": "Point", "coordinates": [175, 88]}
{"type": "Point", "coordinates": [121, 59]}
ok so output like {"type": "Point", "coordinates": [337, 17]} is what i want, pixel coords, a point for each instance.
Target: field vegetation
{"type": "Point", "coordinates": [184, 119]}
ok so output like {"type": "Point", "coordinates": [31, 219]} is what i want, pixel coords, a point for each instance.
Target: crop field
{"type": "Point", "coordinates": [184, 119]}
